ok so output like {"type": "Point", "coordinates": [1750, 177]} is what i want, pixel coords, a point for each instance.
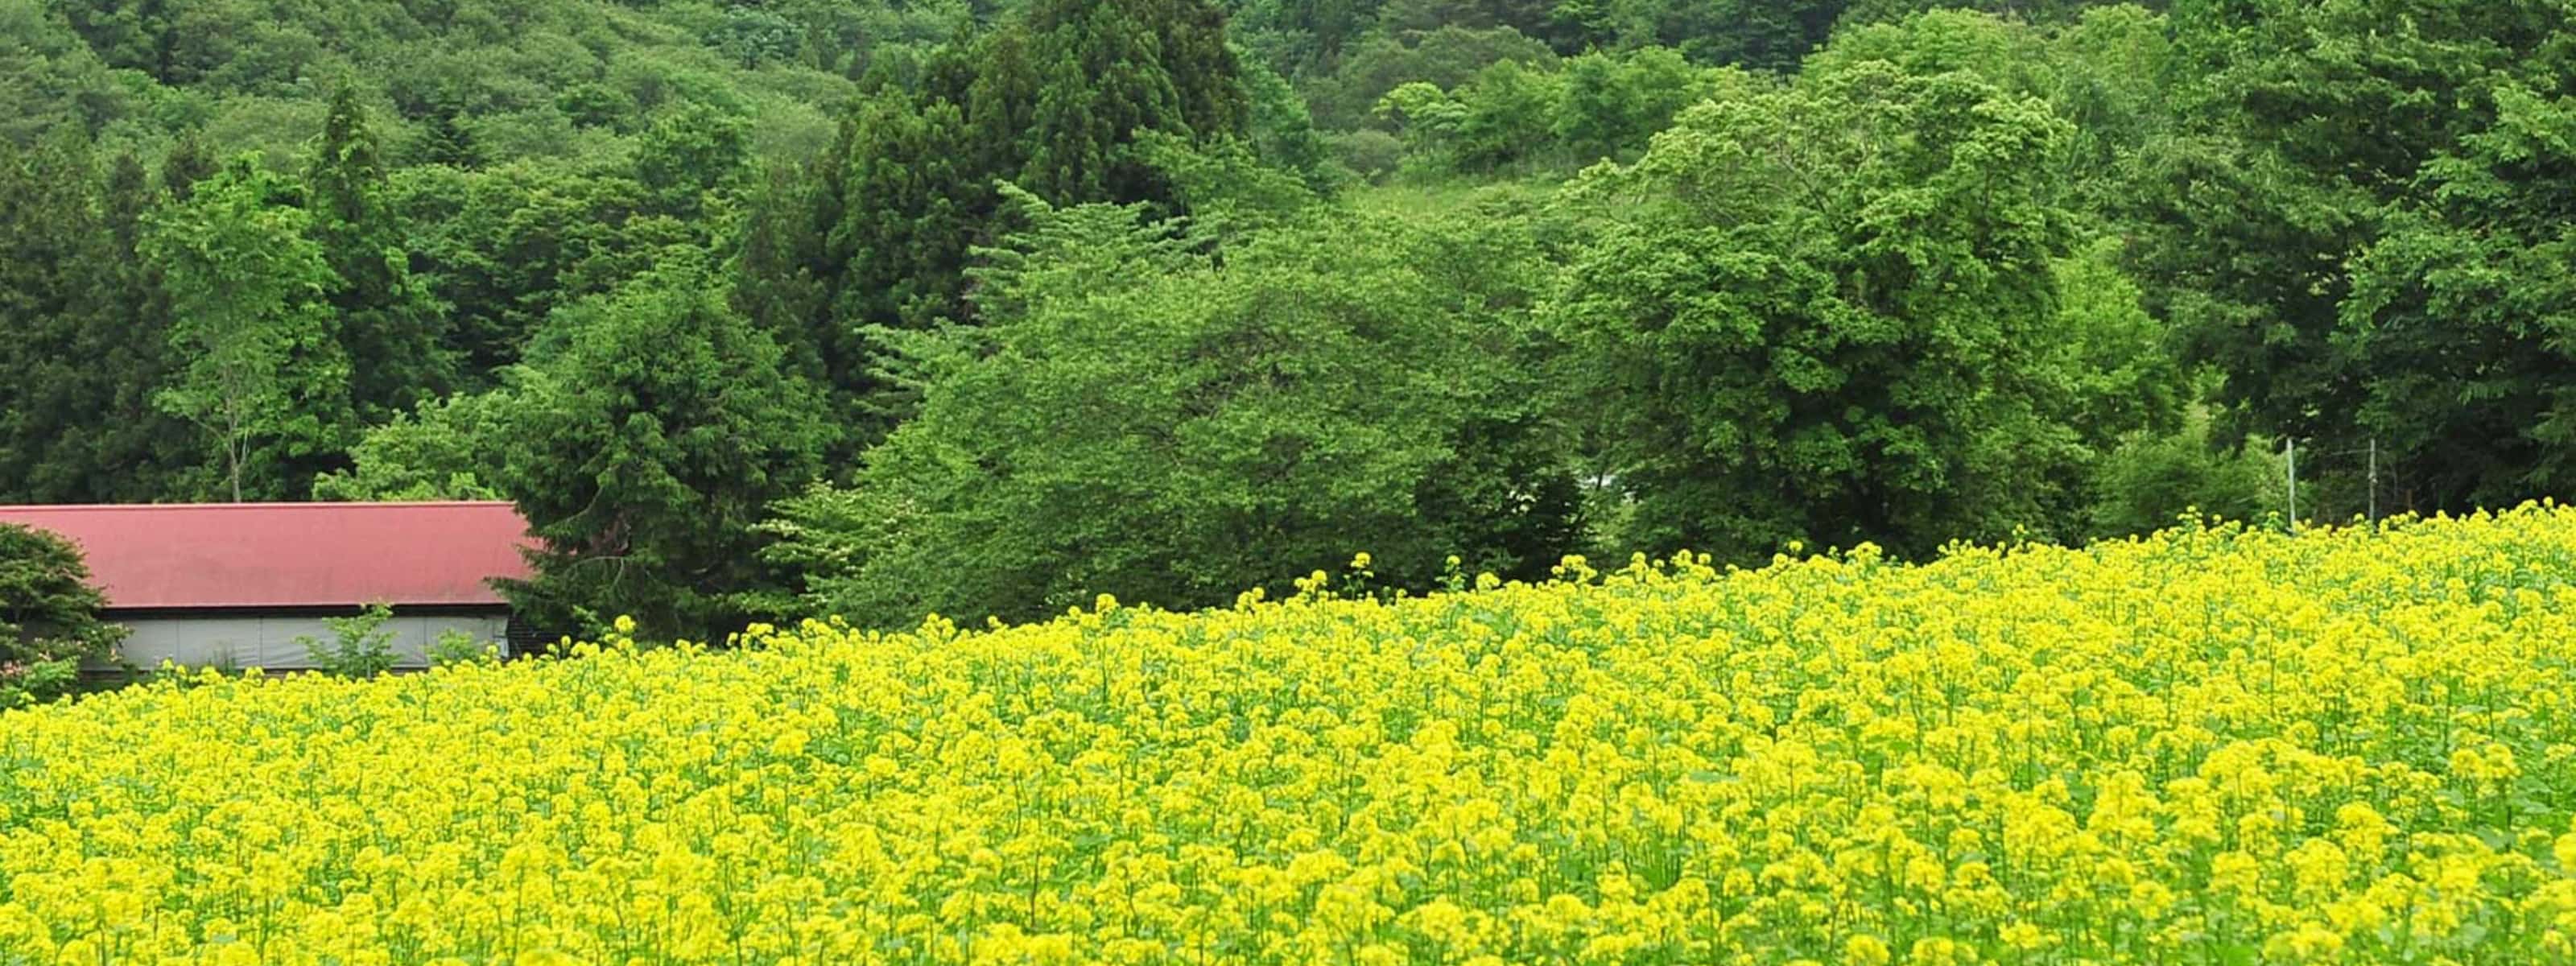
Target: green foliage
{"type": "Point", "coordinates": [642, 443]}
{"type": "Point", "coordinates": [907, 204]}
{"type": "Point", "coordinates": [2363, 224]}
{"type": "Point", "coordinates": [1822, 313]}
{"type": "Point", "coordinates": [2153, 479]}
{"type": "Point", "coordinates": [359, 647]}
{"type": "Point", "coordinates": [1896, 270]}
{"type": "Point", "coordinates": [1510, 117]}
{"type": "Point", "coordinates": [1282, 129]}
{"type": "Point", "coordinates": [84, 331]}
{"type": "Point", "coordinates": [1138, 419]}
{"type": "Point", "coordinates": [687, 161]}
{"type": "Point", "coordinates": [448, 449]}
{"type": "Point", "coordinates": [1763, 34]}
{"type": "Point", "coordinates": [753, 36]}
{"type": "Point", "coordinates": [1529, 17]}
{"type": "Point", "coordinates": [1427, 117]}
{"type": "Point", "coordinates": [876, 233]}
{"type": "Point", "coordinates": [1302, 37]}
{"type": "Point", "coordinates": [2117, 359]}
{"type": "Point", "coordinates": [387, 316]}
{"type": "Point", "coordinates": [49, 620]}
{"type": "Point", "coordinates": [1504, 115]}
{"type": "Point", "coordinates": [265, 376]}
{"type": "Point", "coordinates": [1109, 68]}
{"type": "Point", "coordinates": [454, 647]}
{"type": "Point", "coordinates": [1442, 58]}
{"type": "Point", "coordinates": [504, 246]}
{"type": "Point", "coordinates": [1371, 154]}
{"type": "Point", "coordinates": [1229, 192]}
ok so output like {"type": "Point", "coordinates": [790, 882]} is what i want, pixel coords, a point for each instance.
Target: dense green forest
{"type": "Point", "coordinates": [882, 307]}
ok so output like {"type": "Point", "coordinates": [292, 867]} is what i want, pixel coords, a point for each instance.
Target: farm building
{"type": "Point", "coordinates": [237, 584]}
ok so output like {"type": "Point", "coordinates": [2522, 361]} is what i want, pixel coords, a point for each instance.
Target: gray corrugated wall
{"type": "Point", "coordinates": [269, 642]}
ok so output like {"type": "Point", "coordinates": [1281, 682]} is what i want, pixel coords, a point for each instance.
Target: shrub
{"type": "Point", "coordinates": [49, 617]}
{"type": "Point", "coordinates": [360, 646]}
{"type": "Point", "coordinates": [2152, 479]}
{"type": "Point", "coordinates": [458, 647]}
{"type": "Point", "coordinates": [1372, 154]}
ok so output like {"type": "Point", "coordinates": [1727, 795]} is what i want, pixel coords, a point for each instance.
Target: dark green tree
{"type": "Point", "coordinates": [1283, 131]}
{"type": "Point", "coordinates": [752, 35]}
{"type": "Point", "coordinates": [1770, 35]}
{"type": "Point", "coordinates": [691, 160]}
{"type": "Point", "coordinates": [1505, 115]}
{"type": "Point", "coordinates": [1444, 58]}
{"type": "Point", "coordinates": [504, 246]}
{"type": "Point", "coordinates": [140, 453]}
{"type": "Point", "coordinates": [391, 326]}
{"type": "Point", "coordinates": [1110, 68]}
{"type": "Point", "coordinates": [188, 162]}
{"type": "Point", "coordinates": [782, 263]}
{"type": "Point", "coordinates": [1819, 316]}
{"type": "Point", "coordinates": [644, 441]}
{"type": "Point", "coordinates": [1054, 101]}
{"type": "Point", "coordinates": [1303, 37]}
{"type": "Point", "coordinates": [49, 617]}
{"type": "Point", "coordinates": [448, 449]}
{"type": "Point", "coordinates": [2153, 479]}
{"type": "Point", "coordinates": [54, 251]}
{"type": "Point", "coordinates": [909, 203]}
{"type": "Point", "coordinates": [135, 35]}
{"type": "Point", "coordinates": [80, 314]}
{"type": "Point", "coordinates": [2362, 223]}
{"type": "Point", "coordinates": [444, 140]}
{"type": "Point", "coordinates": [1613, 104]}
{"type": "Point", "coordinates": [1534, 18]}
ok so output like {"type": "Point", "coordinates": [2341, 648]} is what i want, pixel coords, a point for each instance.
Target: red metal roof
{"type": "Point", "coordinates": [205, 555]}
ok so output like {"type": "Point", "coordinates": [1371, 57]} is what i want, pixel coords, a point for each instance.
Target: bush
{"type": "Point", "coordinates": [1372, 154]}
{"type": "Point", "coordinates": [359, 648]}
{"type": "Point", "coordinates": [458, 647]}
{"type": "Point", "coordinates": [2153, 479]}
{"type": "Point", "coordinates": [49, 617]}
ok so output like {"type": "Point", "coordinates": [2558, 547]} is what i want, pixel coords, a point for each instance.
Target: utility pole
{"type": "Point", "coordinates": [2374, 480]}
{"type": "Point", "coordinates": [2290, 460]}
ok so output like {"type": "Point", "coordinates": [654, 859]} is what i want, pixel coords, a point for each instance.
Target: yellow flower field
{"type": "Point", "coordinates": [2213, 746]}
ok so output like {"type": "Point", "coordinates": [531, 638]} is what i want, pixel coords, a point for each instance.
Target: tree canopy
{"type": "Point", "coordinates": [49, 616]}
{"type": "Point", "coordinates": [988, 306]}
{"type": "Point", "coordinates": [1136, 418]}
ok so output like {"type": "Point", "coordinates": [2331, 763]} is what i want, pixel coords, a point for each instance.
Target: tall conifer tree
{"type": "Point", "coordinates": [390, 324]}
{"type": "Point", "coordinates": [1053, 102]}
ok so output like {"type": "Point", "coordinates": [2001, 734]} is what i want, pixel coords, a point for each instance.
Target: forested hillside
{"type": "Point", "coordinates": [883, 307]}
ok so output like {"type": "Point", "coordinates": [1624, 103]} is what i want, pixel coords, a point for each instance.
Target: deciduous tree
{"type": "Point", "coordinates": [1137, 419]}
{"type": "Point", "coordinates": [264, 374]}
{"type": "Point", "coordinates": [1821, 314]}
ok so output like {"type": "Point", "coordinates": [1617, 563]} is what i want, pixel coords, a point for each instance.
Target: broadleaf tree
{"type": "Point", "coordinates": [265, 375]}
{"type": "Point", "coordinates": [1820, 314]}
{"type": "Point", "coordinates": [1139, 419]}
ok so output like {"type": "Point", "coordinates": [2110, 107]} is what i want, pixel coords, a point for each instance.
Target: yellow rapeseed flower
{"type": "Point", "coordinates": [2215, 744]}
